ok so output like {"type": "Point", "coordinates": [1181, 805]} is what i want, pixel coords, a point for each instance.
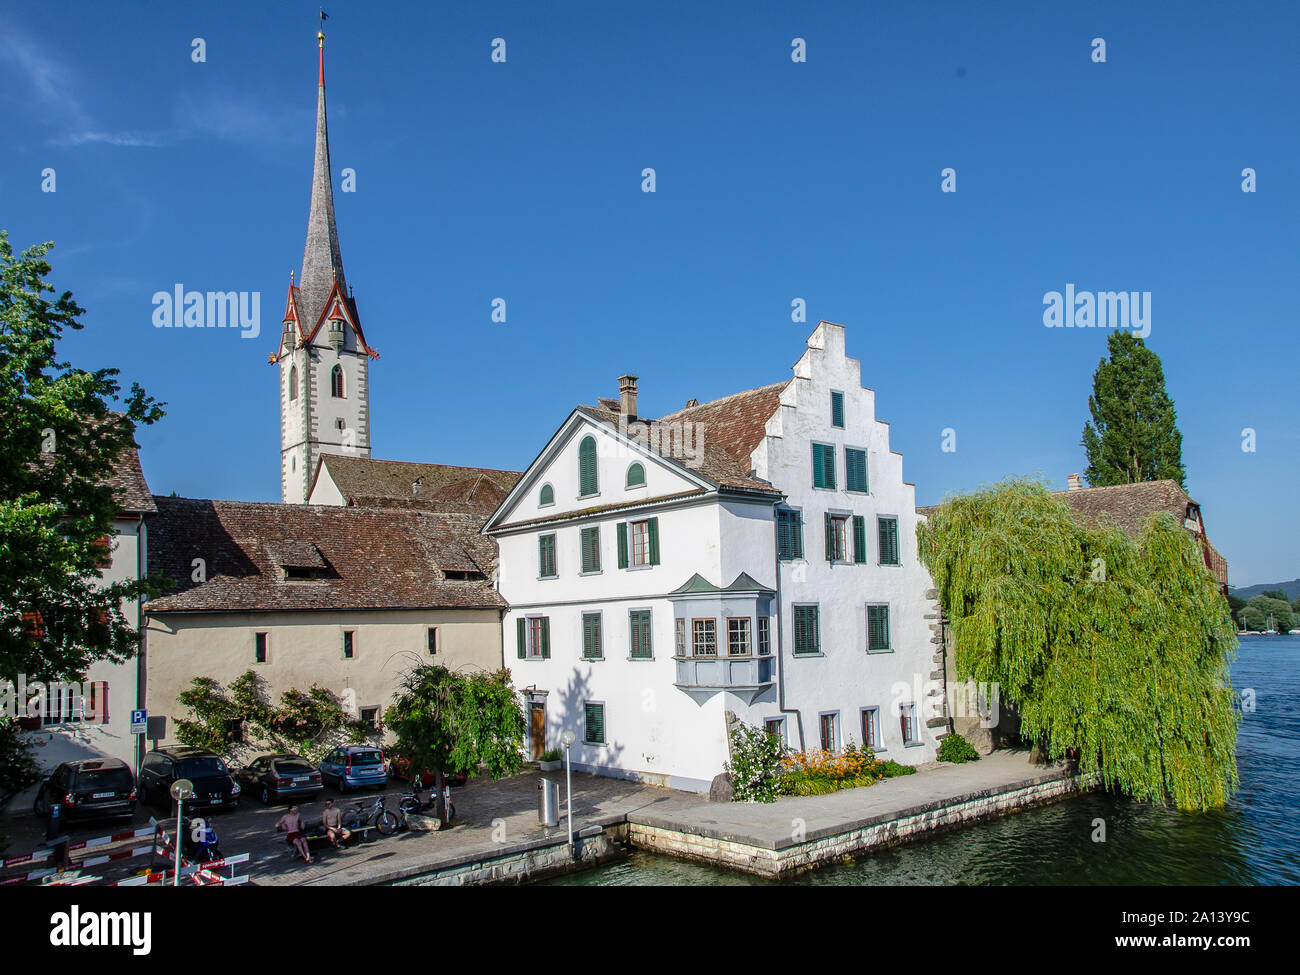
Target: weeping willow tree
{"type": "Point", "coordinates": [1113, 648]}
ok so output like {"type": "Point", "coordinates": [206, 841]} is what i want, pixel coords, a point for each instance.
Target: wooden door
{"type": "Point", "coordinates": [537, 729]}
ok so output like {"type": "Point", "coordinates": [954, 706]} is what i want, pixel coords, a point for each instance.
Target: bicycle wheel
{"type": "Point", "coordinates": [387, 823]}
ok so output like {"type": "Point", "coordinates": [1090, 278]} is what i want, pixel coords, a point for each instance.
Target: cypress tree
{"type": "Point", "coordinates": [1133, 435]}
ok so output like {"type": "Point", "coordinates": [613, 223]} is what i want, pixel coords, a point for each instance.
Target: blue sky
{"type": "Point", "coordinates": [775, 180]}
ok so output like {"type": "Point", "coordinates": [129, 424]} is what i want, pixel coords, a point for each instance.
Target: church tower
{"type": "Point", "coordinates": [323, 356]}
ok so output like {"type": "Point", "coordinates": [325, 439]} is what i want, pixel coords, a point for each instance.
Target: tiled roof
{"type": "Point", "coordinates": [128, 480]}
{"type": "Point", "coordinates": [719, 461]}
{"type": "Point", "coordinates": [366, 482]}
{"type": "Point", "coordinates": [735, 422]}
{"type": "Point", "coordinates": [391, 558]}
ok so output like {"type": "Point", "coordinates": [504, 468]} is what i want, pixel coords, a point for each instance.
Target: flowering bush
{"type": "Point", "coordinates": [818, 772]}
{"type": "Point", "coordinates": [756, 764]}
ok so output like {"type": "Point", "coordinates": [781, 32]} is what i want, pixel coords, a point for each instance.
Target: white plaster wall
{"type": "Point", "coordinates": [306, 648]}
{"type": "Point", "coordinates": [74, 741]}
{"type": "Point", "coordinates": [845, 678]}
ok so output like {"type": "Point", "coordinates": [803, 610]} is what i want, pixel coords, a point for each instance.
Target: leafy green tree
{"type": "Point", "coordinates": [458, 722]}
{"type": "Point", "coordinates": [1253, 618]}
{"type": "Point", "coordinates": [1266, 606]}
{"type": "Point", "coordinates": [59, 440]}
{"type": "Point", "coordinates": [1133, 435]}
{"type": "Point", "coordinates": [1110, 647]}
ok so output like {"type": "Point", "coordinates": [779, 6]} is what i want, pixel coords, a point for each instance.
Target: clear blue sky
{"type": "Point", "coordinates": [776, 180]}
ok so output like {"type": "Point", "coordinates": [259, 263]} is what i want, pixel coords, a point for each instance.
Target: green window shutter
{"type": "Point", "coordinates": [828, 467]}
{"type": "Point", "coordinates": [546, 637]}
{"type": "Point", "coordinates": [587, 481]}
{"type": "Point", "coordinates": [541, 556]}
{"type": "Point", "coordinates": [594, 718]}
{"type": "Point", "coordinates": [859, 538]}
{"type": "Point", "coordinates": [796, 520]}
{"type": "Point", "coordinates": [635, 475]}
{"type": "Point", "coordinates": [837, 409]}
{"type": "Point", "coordinates": [819, 466]}
{"type": "Point", "coordinates": [830, 538]}
{"type": "Point", "coordinates": [591, 648]}
{"type": "Point", "coordinates": [887, 529]}
{"type": "Point", "coordinates": [521, 625]}
{"type": "Point", "coordinates": [877, 627]}
{"type": "Point", "coordinates": [855, 470]}
{"type": "Point", "coordinates": [622, 544]}
{"type": "Point", "coordinates": [547, 495]}
{"type": "Point", "coordinates": [653, 530]}
{"type": "Point", "coordinates": [591, 550]}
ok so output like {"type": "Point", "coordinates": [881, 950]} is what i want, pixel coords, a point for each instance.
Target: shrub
{"type": "Point", "coordinates": [551, 755]}
{"type": "Point", "coordinates": [755, 766]}
{"type": "Point", "coordinates": [954, 748]}
{"type": "Point", "coordinates": [890, 769]}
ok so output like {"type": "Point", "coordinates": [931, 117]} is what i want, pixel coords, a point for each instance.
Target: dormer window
{"type": "Point", "coordinates": [546, 496]}
{"type": "Point", "coordinates": [336, 382]}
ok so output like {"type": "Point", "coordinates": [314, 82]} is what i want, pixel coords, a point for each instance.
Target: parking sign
{"type": "Point", "coordinates": [139, 719]}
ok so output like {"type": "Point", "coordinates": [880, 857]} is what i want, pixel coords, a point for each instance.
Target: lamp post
{"type": "Point", "coordinates": [566, 740]}
{"type": "Point", "coordinates": [181, 790]}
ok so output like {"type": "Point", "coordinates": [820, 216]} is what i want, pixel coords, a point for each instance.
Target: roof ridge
{"type": "Point", "coordinates": [729, 396]}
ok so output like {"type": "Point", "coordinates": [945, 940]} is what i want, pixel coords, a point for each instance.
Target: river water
{"type": "Point", "coordinates": [1254, 840]}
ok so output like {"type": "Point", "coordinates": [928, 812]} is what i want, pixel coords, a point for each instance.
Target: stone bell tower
{"type": "Point", "coordinates": [323, 356]}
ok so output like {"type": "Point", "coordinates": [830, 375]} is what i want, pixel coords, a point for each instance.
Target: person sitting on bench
{"type": "Point", "coordinates": [333, 823]}
{"type": "Point", "coordinates": [291, 823]}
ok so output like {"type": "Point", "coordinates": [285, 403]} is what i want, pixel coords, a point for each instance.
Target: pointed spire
{"type": "Point", "coordinates": [322, 262]}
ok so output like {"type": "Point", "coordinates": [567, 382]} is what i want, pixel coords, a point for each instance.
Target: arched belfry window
{"type": "Point", "coordinates": [293, 382]}
{"type": "Point", "coordinates": [587, 481]}
{"type": "Point", "coordinates": [635, 476]}
{"type": "Point", "coordinates": [547, 496]}
{"type": "Point", "coordinates": [336, 382]}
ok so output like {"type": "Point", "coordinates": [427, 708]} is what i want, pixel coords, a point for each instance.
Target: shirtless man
{"type": "Point", "coordinates": [291, 823]}
{"type": "Point", "coordinates": [333, 824]}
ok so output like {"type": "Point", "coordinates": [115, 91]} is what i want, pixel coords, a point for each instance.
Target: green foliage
{"type": "Point", "coordinates": [1134, 433]}
{"type": "Point", "coordinates": [755, 766]}
{"type": "Point", "coordinates": [59, 439]}
{"type": "Point", "coordinates": [550, 755]}
{"type": "Point", "coordinates": [889, 769]}
{"type": "Point", "coordinates": [1129, 668]}
{"type": "Point", "coordinates": [18, 768]}
{"type": "Point", "coordinates": [308, 723]}
{"type": "Point", "coordinates": [956, 749]}
{"type": "Point", "coordinates": [451, 721]}
{"type": "Point", "coordinates": [1258, 610]}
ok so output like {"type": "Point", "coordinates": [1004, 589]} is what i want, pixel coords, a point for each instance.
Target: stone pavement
{"type": "Point", "coordinates": [496, 818]}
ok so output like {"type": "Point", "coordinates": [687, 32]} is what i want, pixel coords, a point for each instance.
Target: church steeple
{"type": "Point", "coordinates": [322, 262]}
{"type": "Point", "coordinates": [323, 356]}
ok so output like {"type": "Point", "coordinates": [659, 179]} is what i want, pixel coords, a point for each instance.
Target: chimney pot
{"type": "Point", "coordinates": [1075, 482]}
{"type": "Point", "coordinates": [627, 396]}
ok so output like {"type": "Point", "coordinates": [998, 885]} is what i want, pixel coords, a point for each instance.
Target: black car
{"type": "Point", "coordinates": [273, 778]}
{"type": "Point", "coordinates": [214, 786]}
{"type": "Point", "coordinates": [94, 788]}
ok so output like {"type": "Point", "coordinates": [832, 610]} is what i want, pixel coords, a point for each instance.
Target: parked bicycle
{"type": "Point", "coordinates": [413, 802]}
{"type": "Point", "coordinates": [376, 815]}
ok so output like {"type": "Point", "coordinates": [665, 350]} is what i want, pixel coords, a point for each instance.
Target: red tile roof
{"type": "Point", "coordinates": [365, 558]}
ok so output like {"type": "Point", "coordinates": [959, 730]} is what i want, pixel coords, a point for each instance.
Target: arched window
{"type": "Point", "coordinates": [336, 382]}
{"type": "Point", "coordinates": [635, 476]}
{"type": "Point", "coordinates": [293, 382]}
{"type": "Point", "coordinates": [546, 497]}
{"type": "Point", "coordinates": [587, 482]}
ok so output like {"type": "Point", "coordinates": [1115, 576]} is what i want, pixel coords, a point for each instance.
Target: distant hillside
{"type": "Point", "coordinates": [1292, 589]}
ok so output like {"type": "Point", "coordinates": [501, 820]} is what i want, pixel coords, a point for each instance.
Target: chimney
{"type": "Point", "coordinates": [627, 396]}
{"type": "Point", "coordinates": [1075, 482]}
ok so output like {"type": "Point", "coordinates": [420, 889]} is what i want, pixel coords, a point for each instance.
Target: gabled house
{"type": "Point", "coordinates": [749, 558]}
{"type": "Point", "coordinates": [347, 598]}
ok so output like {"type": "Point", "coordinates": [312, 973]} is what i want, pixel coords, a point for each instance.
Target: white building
{"type": "Point", "coordinates": [753, 555]}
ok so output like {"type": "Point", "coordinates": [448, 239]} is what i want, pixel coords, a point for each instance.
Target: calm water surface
{"type": "Point", "coordinates": [1255, 840]}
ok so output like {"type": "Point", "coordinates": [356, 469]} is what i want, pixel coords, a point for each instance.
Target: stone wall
{"type": "Point", "coordinates": [872, 835]}
{"type": "Point", "coordinates": [532, 862]}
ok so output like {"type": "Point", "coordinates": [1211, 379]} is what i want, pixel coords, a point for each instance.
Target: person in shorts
{"type": "Point", "coordinates": [291, 823]}
{"type": "Point", "coordinates": [333, 824]}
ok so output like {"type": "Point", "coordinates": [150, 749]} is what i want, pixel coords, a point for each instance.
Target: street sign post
{"type": "Point", "coordinates": [139, 721]}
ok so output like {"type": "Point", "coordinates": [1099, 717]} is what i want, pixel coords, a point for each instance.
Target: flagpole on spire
{"type": "Point", "coordinates": [320, 41]}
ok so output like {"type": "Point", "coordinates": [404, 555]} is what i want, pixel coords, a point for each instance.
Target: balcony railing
{"type": "Point", "coordinates": [742, 675]}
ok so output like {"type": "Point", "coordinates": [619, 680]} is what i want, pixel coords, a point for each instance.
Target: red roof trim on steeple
{"type": "Point", "coordinates": [337, 300]}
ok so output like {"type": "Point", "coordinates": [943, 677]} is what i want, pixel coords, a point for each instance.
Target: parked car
{"type": "Point", "coordinates": [274, 778]}
{"type": "Point", "coordinates": [400, 769]}
{"type": "Point", "coordinates": [214, 786]}
{"type": "Point", "coordinates": [96, 788]}
{"type": "Point", "coordinates": [354, 767]}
